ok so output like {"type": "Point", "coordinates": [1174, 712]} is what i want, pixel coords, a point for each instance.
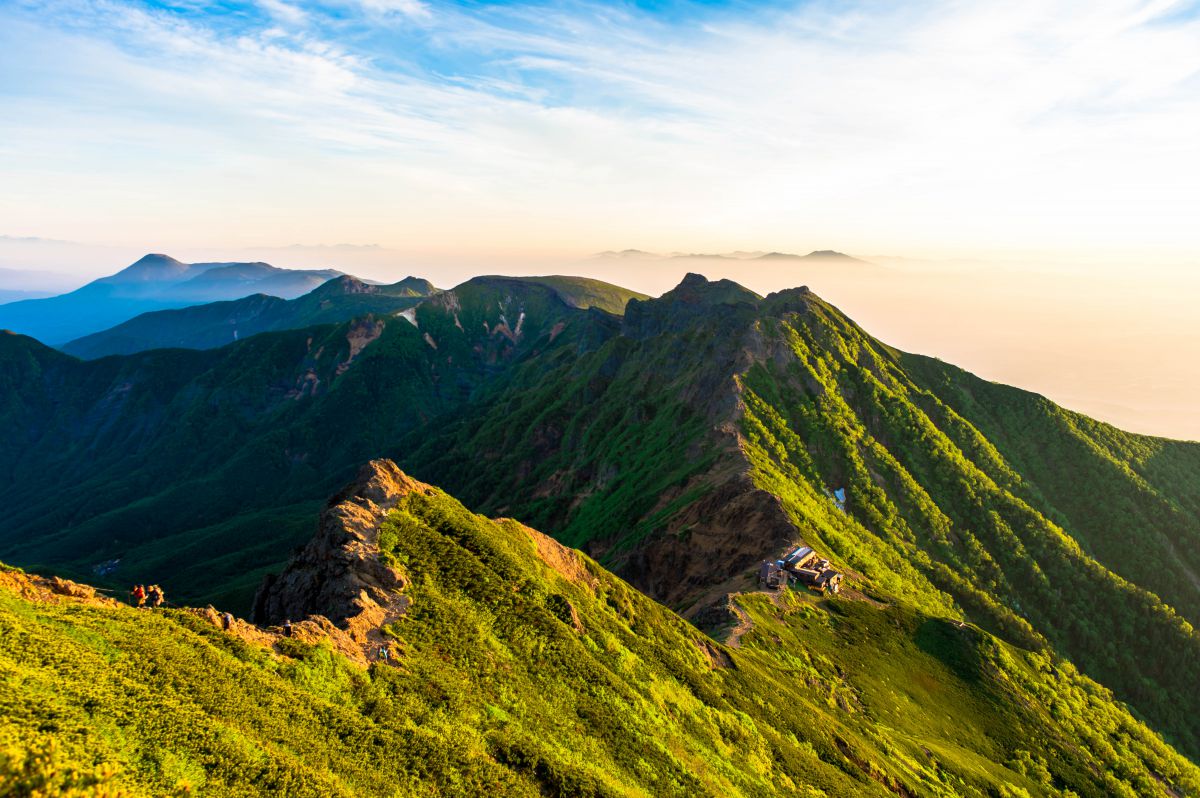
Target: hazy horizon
{"type": "Point", "coordinates": [1026, 173]}
{"type": "Point", "coordinates": [1115, 346]}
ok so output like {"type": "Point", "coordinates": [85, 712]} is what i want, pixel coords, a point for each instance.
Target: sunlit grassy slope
{"type": "Point", "coordinates": [513, 677]}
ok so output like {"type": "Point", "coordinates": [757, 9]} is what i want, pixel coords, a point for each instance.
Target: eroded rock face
{"type": "Point", "coordinates": [314, 630]}
{"type": "Point", "coordinates": [52, 589]}
{"type": "Point", "coordinates": [718, 538]}
{"type": "Point", "coordinates": [339, 574]}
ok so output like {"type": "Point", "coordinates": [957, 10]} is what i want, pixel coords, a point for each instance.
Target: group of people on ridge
{"type": "Point", "coordinates": [152, 596]}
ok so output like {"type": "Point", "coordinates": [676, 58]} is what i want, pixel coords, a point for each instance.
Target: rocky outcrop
{"type": "Point", "coordinates": [694, 299]}
{"type": "Point", "coordinates": [568, 563]}
{"type": "Point", "coordinates": [711, 546]}
{"type": "Point", "coordinates": [362, 333]}
{"type": "Point", "coordinates": [51, 589]}
{"type": "Point", "coordinates": [340, 574]}
{"type": "Point", "coordinates": [314, 630]}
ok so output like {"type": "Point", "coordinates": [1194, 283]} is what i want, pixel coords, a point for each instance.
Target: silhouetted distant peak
{"type": "Point", "coordinates": [817, 254]}
{"type": "Point", "coordinates": [154, 266]}
{"type": "Point", "coordinates": [627, 253]}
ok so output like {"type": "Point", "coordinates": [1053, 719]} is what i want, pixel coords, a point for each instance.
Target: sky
{"type": "Point", "coordinates": [1024, 172]}
{"type": "Point", "coordinates": [1060, 130]}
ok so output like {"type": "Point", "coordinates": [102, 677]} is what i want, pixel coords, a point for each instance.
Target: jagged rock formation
{"type": "Point", "coordinates": [340, 575]}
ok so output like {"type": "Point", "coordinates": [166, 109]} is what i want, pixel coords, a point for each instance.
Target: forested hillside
{"type": "Point", "coordinates": [204, 467]}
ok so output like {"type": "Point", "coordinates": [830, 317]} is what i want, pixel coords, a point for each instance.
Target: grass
{"type": "Point", "coordinates": [495, 688]}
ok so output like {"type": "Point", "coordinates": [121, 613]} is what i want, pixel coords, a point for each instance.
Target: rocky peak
{"type": "Point", "coordinates": [790, 300]}
{"type": "Point", "coordinates": [340, 573]}
{"type": "Point", "coordinates": [696, 289]}
{"type": "Point", "coordinates": [696, 298]}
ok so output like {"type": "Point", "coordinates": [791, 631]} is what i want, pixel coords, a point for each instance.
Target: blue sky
{"type": "Point", "coordinates": [940, 129]}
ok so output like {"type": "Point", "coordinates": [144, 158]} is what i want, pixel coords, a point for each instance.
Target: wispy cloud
{"type": "Point", "coordinates": [408, 8]}
{"type": "Point", "coordinates": [958, 127]}
{"type": "Point", "coordinates": [284, 12]}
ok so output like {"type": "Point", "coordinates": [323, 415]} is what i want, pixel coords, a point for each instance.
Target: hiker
{"type": "Point", "coordinates": [155, 596]}
{"type": "Point", "coordinates": [384, 653]}
{"type": "Point", "coordinates": [287, 628]}
{"type": "Point", "coordinates": [139, 595]}
{"type": "Point", "coordinates": [227, 621]}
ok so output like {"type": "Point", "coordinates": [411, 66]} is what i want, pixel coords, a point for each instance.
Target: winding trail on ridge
{"type": "Point", "coordinates": [744, 625]}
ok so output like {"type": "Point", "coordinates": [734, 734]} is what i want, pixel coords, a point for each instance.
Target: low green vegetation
{"type": "Point", "coordinates": [513, 677]}
{"type": "Point", "coordinates": [584, 292]}
{"type": "Point", "coordinates": [940, 515]}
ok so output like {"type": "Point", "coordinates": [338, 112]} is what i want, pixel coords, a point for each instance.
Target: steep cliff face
{"type": "Point", "coordinates": [341, 573]}
{"type": "Point", "coordinates": [712, 544]}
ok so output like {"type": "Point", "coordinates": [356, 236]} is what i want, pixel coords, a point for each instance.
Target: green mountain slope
{"type": "Point", "coordinates": [680, 445]}
{"type": "Point", "coordinates": [205, 466]}
{"type": "Point", "coordinates": [585, 292]}
{"type": "Point", "coordinates": [519, 667]}
{"type": "Point", "coordinates": [219, 323]}
{"type": "Point", "coordinates": [731, 421]}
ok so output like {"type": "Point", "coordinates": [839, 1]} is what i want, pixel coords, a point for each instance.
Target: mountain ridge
{"type": "Point", "coordinates": [215, 324]}
{"type": "Point", "coordinates": [337, 300]}
{"type": "Point", "coordinates": [815, 255]}
{"type": "Point", "coordinates": [517, 666]}
{"type": "Point", "coordinates": [680, 445]}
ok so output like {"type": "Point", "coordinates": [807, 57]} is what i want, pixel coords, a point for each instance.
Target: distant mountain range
{"type": "Point", "coordinates": [219, 323]}
{"type": "Point", "coordinates": [339, 300]}
{"type": "Point", "coordinates": [155, 282]}
{"type": "Point", "coordinates": [18, 284]}
{"type": "Point", "coordinates": [816, 255]}
{"type": "Point", "coordinates": [8, 295]}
